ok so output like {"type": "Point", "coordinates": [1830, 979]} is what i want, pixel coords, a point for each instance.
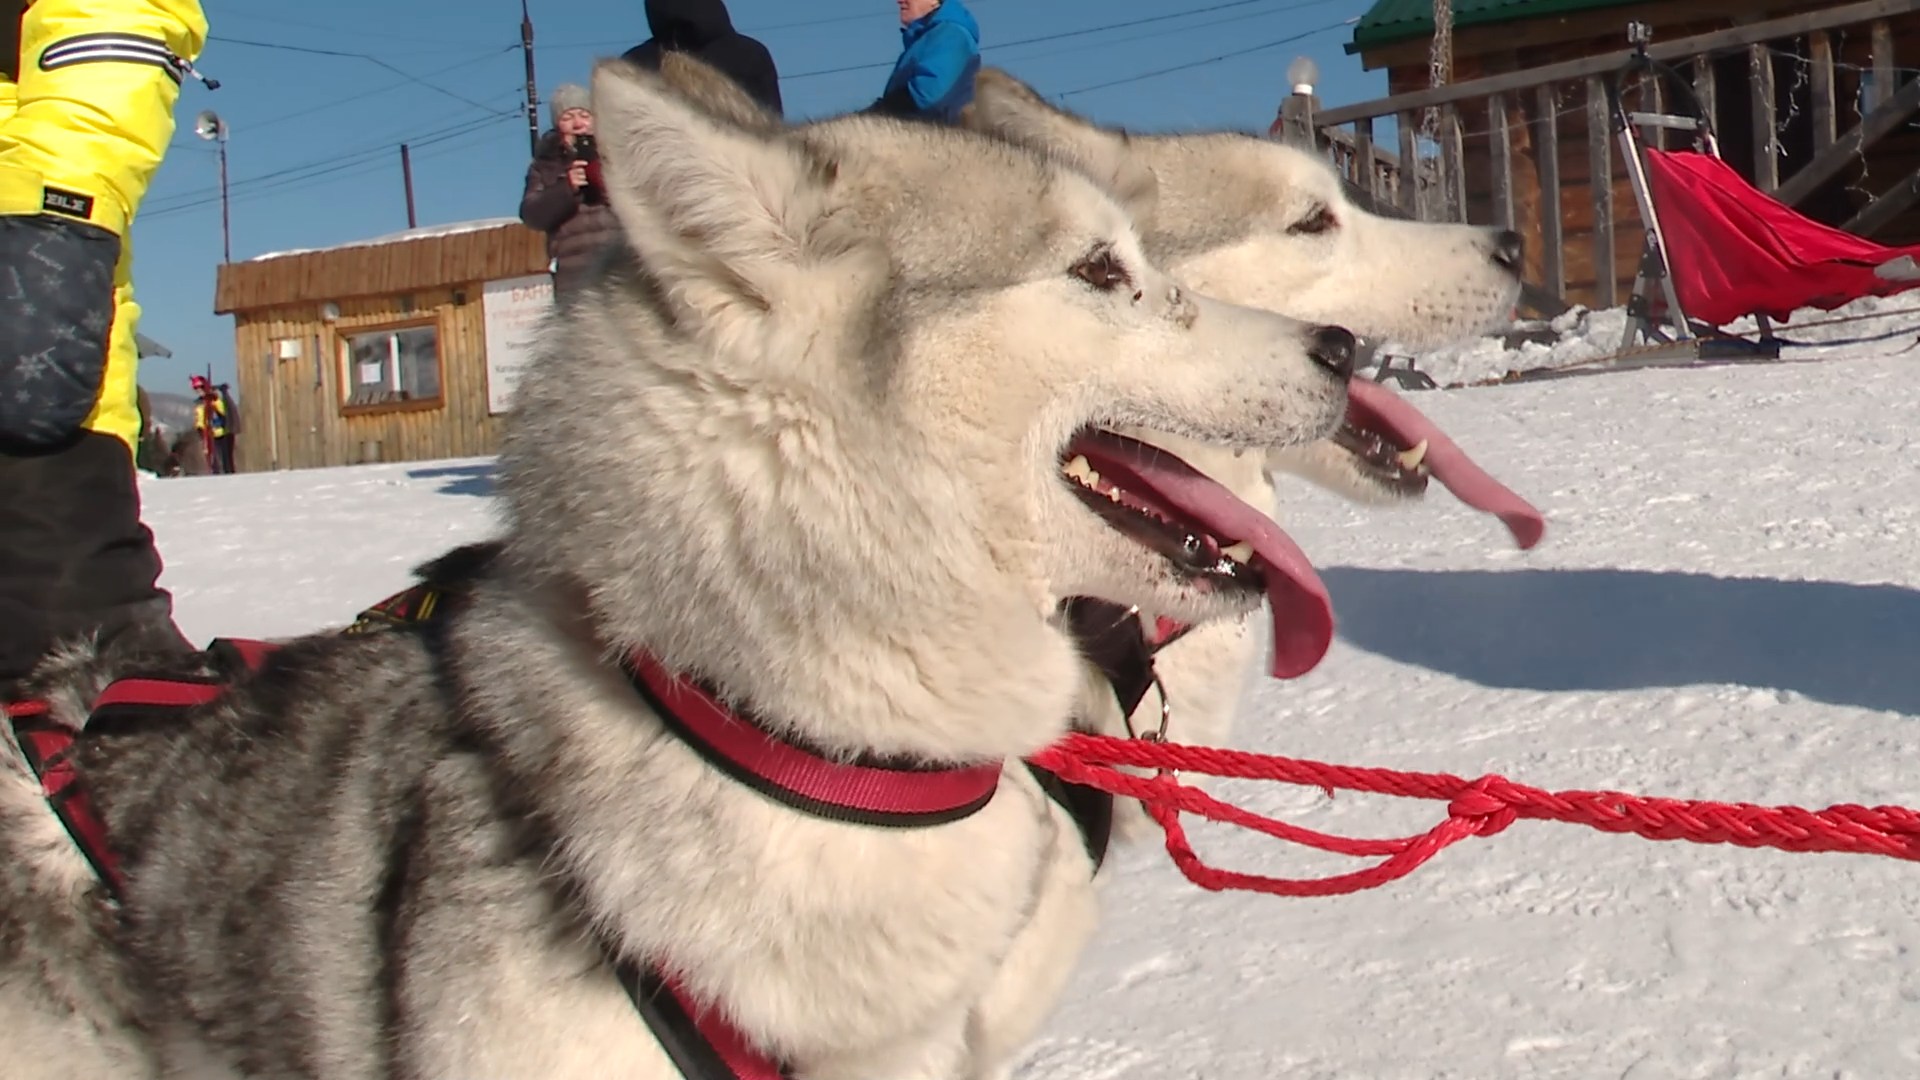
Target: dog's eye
{"type": "Point", "coordinates": [1102, 269]}
{"type": "Point", "coordinates": [1321, 220]}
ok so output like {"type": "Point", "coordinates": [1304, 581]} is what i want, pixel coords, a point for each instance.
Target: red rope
{"type": "Point", "coordinates": [1474, 808]}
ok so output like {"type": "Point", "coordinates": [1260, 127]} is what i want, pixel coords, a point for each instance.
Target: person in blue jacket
{"type": "Point", "coordinates": [940, 54]}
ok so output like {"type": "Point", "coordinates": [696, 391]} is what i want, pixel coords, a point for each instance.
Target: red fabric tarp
{"type": "Point", "coordinates": [1737, 251]}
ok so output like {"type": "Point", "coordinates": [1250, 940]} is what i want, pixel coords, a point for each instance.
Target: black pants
{"type": "Point", "coordinates": [74, 556]}
{"type": "Point", "coordinates": [221, 461]}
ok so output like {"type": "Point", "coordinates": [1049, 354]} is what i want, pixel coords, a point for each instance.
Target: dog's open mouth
{"type": "Point", "coordinates": [1400, 467]}
{"type": "Point", "coordinates": [1206, 534]}
{"type": "Point", "coordinates": [1192, 551]}
{"type": "Point", "coordinates": [1397, 444]}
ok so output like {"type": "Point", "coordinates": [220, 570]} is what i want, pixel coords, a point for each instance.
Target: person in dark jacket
{"type": "Point", "coordinates": [939, 56]}
{"type": "Point", "coordinates": [565, 197]}
{"type": "Point", "coordinates": [703, 28]}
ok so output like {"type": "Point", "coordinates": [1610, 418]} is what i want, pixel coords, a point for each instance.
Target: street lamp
{"type": "Point", "coordinates": [1295, 122]}
{"type": "Point", "coordinates": [1302, 74]}
{"type": "Point", "coordinates": [208, 125]}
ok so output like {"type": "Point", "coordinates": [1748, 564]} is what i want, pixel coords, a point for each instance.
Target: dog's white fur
{"type": "Point", "coordinates": [1223, 211]}
{"type": "Point", "coordinates": [801, 443]}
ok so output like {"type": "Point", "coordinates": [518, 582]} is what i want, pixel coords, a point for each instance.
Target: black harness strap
{"type": "Point", "coordinates": [692, 1049]}
{"type": "Point", "coordinates": [1114, 639]}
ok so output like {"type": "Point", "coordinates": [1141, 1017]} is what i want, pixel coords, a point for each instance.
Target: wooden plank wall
{"type": "Point", "coordinates": [290, 410]}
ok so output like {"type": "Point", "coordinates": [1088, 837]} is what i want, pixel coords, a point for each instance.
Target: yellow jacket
{"type": "Point", "coordinates": [82, 133]}
{"type": "Point", "coordinates": [211, 416]}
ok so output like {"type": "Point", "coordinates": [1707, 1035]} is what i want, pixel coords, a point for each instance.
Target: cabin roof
{"type": "Point", "coordinates": [414, 260]}
{"type": "Point", "coordinates": [1389, 21]}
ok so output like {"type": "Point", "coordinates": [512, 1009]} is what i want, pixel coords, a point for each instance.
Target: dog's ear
{"type": "Point", "coordinates": [1008, 109]}
{"type": "Point", "coordinates": [714, 92]}
{"type": "Point", "coordinates": [704, 202]}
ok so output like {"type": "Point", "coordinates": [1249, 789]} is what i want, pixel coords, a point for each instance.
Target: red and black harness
{"type": "Point", "coordinates": [702, 1044]}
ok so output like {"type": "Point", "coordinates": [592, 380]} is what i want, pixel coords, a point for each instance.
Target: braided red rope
{"type": "Point", "coordinates": [1475, 808]}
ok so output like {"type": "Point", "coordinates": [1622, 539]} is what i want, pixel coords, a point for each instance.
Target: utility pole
{"type": "Point", "coordinates": [533, 91]}
{"type": "Point", "coordinates": [406, 177]}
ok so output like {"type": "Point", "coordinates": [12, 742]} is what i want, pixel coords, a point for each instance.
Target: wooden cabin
{"type": "Point", "coordinates": [398, 348]}
{"type": "Point", "coordinates": [1812, 102]}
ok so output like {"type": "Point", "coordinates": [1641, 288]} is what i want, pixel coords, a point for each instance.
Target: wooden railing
{"type": "Point", "coordinates": [1435, 187]}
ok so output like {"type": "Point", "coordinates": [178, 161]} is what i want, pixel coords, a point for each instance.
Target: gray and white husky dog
{"type": "Point", "coordinates": [803, 441]}
{"type": "Point", "coordinates": [1270, 226]}
{"type": "Point", "coordinates": [1261, 223]}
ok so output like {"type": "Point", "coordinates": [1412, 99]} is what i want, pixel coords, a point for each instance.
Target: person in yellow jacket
{"type": "Point", "coordinates": [86, 113]}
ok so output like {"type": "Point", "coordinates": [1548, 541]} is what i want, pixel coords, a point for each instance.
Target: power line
{"type": "Point", "coordinates": [332, 162]}
{"type": "Point", "coordinates": [355, 31]}
{"type": "Point", "coordinates": [1062, 35]}
{"type": "Point", "coordinates": [799, 24]}
{"type": "Point", "coordinates": [368, 57]}
{"type": "Point", "coordinates": [1274, 44]}
{"type": "Point", "coordinates": [431, 86]}
{"type": "Point", "coordinates": [283, 47]}
{"type": "Point", "coordinates": [359, 164]}
{"type": "Point", "coordinates": [336, 102]}
{"type": "Point", "coordinates": [1170, 32]}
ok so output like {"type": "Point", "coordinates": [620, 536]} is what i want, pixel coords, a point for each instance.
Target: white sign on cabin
{"type": "Point", "coordinates": [512, 309]}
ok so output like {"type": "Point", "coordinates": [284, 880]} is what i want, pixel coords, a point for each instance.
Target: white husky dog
{"type": "Point", "coordinates": [789, 490]}
{"type": "Point", "coordinates": [1270, 226]}
{"type": "Point", "coordinates": [1263, 224]}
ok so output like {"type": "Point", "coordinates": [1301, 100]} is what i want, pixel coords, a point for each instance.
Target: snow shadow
{"type": "Point", "coordinates": [476, 479]}
{"type": "Point", "coordinates": [1629, 629]}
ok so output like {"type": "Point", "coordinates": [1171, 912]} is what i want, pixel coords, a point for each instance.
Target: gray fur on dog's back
{"type": "Point", "coordinates": [228, 892]}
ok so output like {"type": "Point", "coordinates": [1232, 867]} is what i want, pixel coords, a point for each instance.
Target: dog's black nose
{"type": "Point", "coordinates": [1333, 348]}
{"type": "Point", "coordinates": [1509, 249]}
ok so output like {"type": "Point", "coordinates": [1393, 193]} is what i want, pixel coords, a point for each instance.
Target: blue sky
{"type": "Point", "coordinates": [319, 97]}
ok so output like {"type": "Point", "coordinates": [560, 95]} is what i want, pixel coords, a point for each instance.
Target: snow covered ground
{"type": "Point", "coordinates": [1725, 607]}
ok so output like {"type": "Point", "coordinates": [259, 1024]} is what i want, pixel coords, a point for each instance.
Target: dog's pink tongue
{"type": "Point", "coordinates": [1302, 611]}
{"type": "Point", "coordinates": [1382, 408]}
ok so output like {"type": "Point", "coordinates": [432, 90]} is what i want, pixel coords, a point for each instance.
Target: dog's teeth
{"type": "Point", "coordinates": [1078, 468]}
{"type": "Point", "coordinates": [1241, 552]}
{"type": "Point", "coordinates": [1411, 459]}
{"type": "Point", "coordinates": [1114, 494]}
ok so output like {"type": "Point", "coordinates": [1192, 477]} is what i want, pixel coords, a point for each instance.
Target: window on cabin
{"type": "Point", "coordinates": [390, 366]}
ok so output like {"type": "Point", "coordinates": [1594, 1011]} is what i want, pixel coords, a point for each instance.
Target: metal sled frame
{"type": "Point", "coordinates": [1682, 339]}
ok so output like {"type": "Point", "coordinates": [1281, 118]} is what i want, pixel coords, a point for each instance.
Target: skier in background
{"type": "Point", "coordinates": [213, 419]}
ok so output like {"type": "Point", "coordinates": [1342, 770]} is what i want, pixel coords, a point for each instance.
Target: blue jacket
{"type": "Point", "coordinates": [940, 55]}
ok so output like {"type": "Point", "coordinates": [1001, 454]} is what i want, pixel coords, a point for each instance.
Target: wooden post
{"type": "Point", "coordinates": [1703, 88]}
{"type": "Point", "coordinates": [1500, 154]}
{"type": "Point", "coordinates": [1369, 179]}
{"type": "Point", "coordinates": [1766, 143]}
{"type": "Point", "coordinates": [1651, 101]}
{"type": "Point", "coordinates": [1546, 148]}
{"type": "Point", "coordinates": [1453, 156]}
{"type": "Point", "coordinates": [1820, 76]}
{"type": "Point", "coordinates": [406, 177]}
{"type": "Point", "coordinates": [1600, 168]}
{"type": "Point", "coordinates": [533, 92]}
{"type": "Point", "coordinates": [1409, 164]}
{"type": "Point", "coordinates": [1296, 121]}
{"type": "Point", "coordinates": [1882, 63]}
